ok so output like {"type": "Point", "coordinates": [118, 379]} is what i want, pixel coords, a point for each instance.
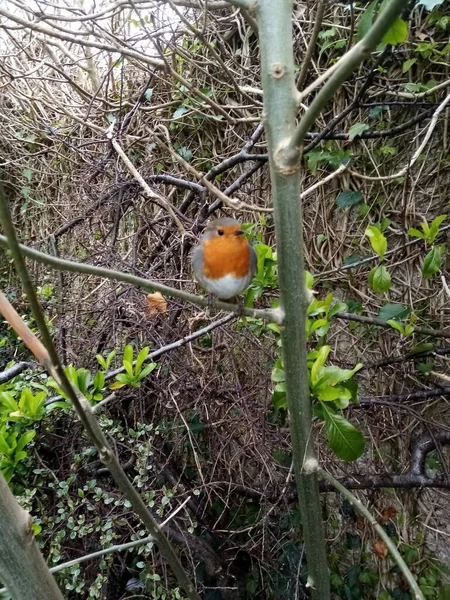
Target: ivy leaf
{"type": "Point", "coordinates": [356, 130]}
{"type": "Point", "coordinates": [393, 311]}
{"type": "Point", "coordinates": [181, 110]}
{"type": "Point", "coordinates": [432, 261]}
{"type": "Point", "coordinates": [377, 240]}
{"type": "Point", "coordinates": [397, 33]}
{"type": "Point", "coordinates": [148, 94]}
{"type": "Point", "coordinates": [348, 198]}
{"type": "Point", "coordinates": [379, 279]}
{"type": "Point", "coordinates": [185, 153]}
{"type": "Point", "coordinates": [345, 440]}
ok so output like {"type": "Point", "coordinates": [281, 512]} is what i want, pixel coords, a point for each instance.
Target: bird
{"type": "Point", "coordinates": [224, 262]}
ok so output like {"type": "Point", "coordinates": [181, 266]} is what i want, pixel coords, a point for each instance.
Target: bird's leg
{"type": "Point", "coordinates": [240, 305]}
{"type": "Point", "coordinates": [210, 305]}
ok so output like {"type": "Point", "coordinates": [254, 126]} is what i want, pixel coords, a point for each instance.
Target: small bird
{"type": "Point", "coordinates": [224, 262]}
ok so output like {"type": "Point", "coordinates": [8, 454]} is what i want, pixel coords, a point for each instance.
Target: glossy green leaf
{"type": "Point", "coordinates": [393, 311]}
{"type": "Point", "coordinates": [147, 370]}
{"type": "Point", "coordinates": [25, 439]}
{"type": "Point", "coordinates": [99, 380]}
{"type": "Point", "coordinates": [379, 279]}
{"type": "Point", "coordinates": [356, 130]}
{"type": "Point", "coordinates": [128, 368]}
{"type": "Point", "coordinates": [349, 198]}
{"type": "Point", "coordinates": [141, 358]}
{"type": "Point", "coordinates": [434, 227]}
{"type": "Point", "coordinates": [377, 240]}
{"type": "Point", "coordinates": [416, 233]}
{"type": "Point", "coordinates": [366, 20]}
{"type": "Point", "coordinates": [278, 375]}
{"type": "Point", "coordinates": [433, 261]}
{"type": "Point", "coordinates": [396, 325]}
{"type": "Point", "coordinates": [397, 33]}
{"type": "Point", "coordinates": [128, 353]}
{"type": "Point", "coordinates": [344, 439]}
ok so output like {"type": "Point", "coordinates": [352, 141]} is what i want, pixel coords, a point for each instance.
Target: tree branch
{"type": "Point", "coordinates": [347, 65]}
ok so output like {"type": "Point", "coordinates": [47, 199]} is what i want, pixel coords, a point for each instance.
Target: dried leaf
{"type": "Point", "coordinates": [379, 548]}
{"type": "Point", "coordinates": [388, 513]}
{"type": "Point", "coordinates": [156, 304]}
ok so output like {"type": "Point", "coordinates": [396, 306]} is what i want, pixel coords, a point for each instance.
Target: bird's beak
{"type": "Point", "coordinates": [239, 232]}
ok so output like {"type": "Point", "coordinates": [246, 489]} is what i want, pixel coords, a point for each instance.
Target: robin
{"type": "Point", "coordinates": [224, 262]}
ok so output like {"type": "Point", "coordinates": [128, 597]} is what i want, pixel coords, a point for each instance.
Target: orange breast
{"type": "Point", "coordinates": [226, 256]}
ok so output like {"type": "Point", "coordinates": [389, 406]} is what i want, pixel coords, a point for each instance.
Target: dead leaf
{"type": "Point", "coordinates": [156, 304]}
{"type": "Point", "coordinates": [379, 548]}
{"type": "Point", "coordinates": [388, 513]}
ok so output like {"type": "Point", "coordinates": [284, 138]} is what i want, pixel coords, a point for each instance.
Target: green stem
{"type": "Point", "coordinates": [359, 506]}
{"type": "Point", "coordinates": [277, 68]}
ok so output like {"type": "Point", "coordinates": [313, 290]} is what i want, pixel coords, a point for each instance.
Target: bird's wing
{"type": "Point", "coordinates": [197, 263]}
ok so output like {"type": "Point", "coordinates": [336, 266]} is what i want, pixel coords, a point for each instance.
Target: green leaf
{"type": "Point", "coordinates": [101, 361]}
{"type": "Point", "coordinates": [99, 380]}
{"type": "Point", "coordinates": [128, 368]}
{"type": "Point", "coordinates": [128, 353]}
{"type": "Point", "coordinates": [140, 359]}
{"type": "Point", "coordinates": [185, 153]}
{"type": "Point", "coordinates": [148, 94]}
{"type": "Point", "coordinates": [393, 311]}
{"type": "Point", "coordinates": [345, 440]}
{"type": "Point", "coordinates": [320, 361]}
{"type": "Point", "coordinates": [336, 308]}
{"type": "Point", "coordinates": [356, 130]}
{"type": "Point", "coordinates": [25, 439]}
{"type": "Point", "coordinates": [7, 400]}
{"type": "Point", "coordinates": [147, 370]}
{"type": "Point", "coordinates": [421, 348]}
{"type": "Point", "coordinates": [83, 380]}
{"type": "Point", "coordinates": [398, 326]}
{"type": "Point", "coordinates": [123, 378]}
{"type": "Point", "coordinates": [406, 66]}
{"type": "Point", "coordinates": [349, 198]}
{"type": "Point", "coordinates": [432, 261]}
{"type": "Point", "coordinates": [397, 33]}
{"type": "Point", "coordinates": [416, 233]}
{"type": "Point", "coordinates": [379, 279]}
{"type": "Point", "coordinates": [434, 227]}
{"type": "Point", "coordinates": [181, 110]}
{"type": "Point", "coordinates": [278, 375]}
{"type": "Point", "coordinates": [366, 20]}
{"type": "Point", "coordinates": [377, 240]}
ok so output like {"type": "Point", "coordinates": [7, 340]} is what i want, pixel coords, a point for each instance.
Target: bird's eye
{"type": "Point", "coordinates": [220, 232]}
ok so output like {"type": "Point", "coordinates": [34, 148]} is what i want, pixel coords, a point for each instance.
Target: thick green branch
{"type": "Point", "coordinates": [359, 506]}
